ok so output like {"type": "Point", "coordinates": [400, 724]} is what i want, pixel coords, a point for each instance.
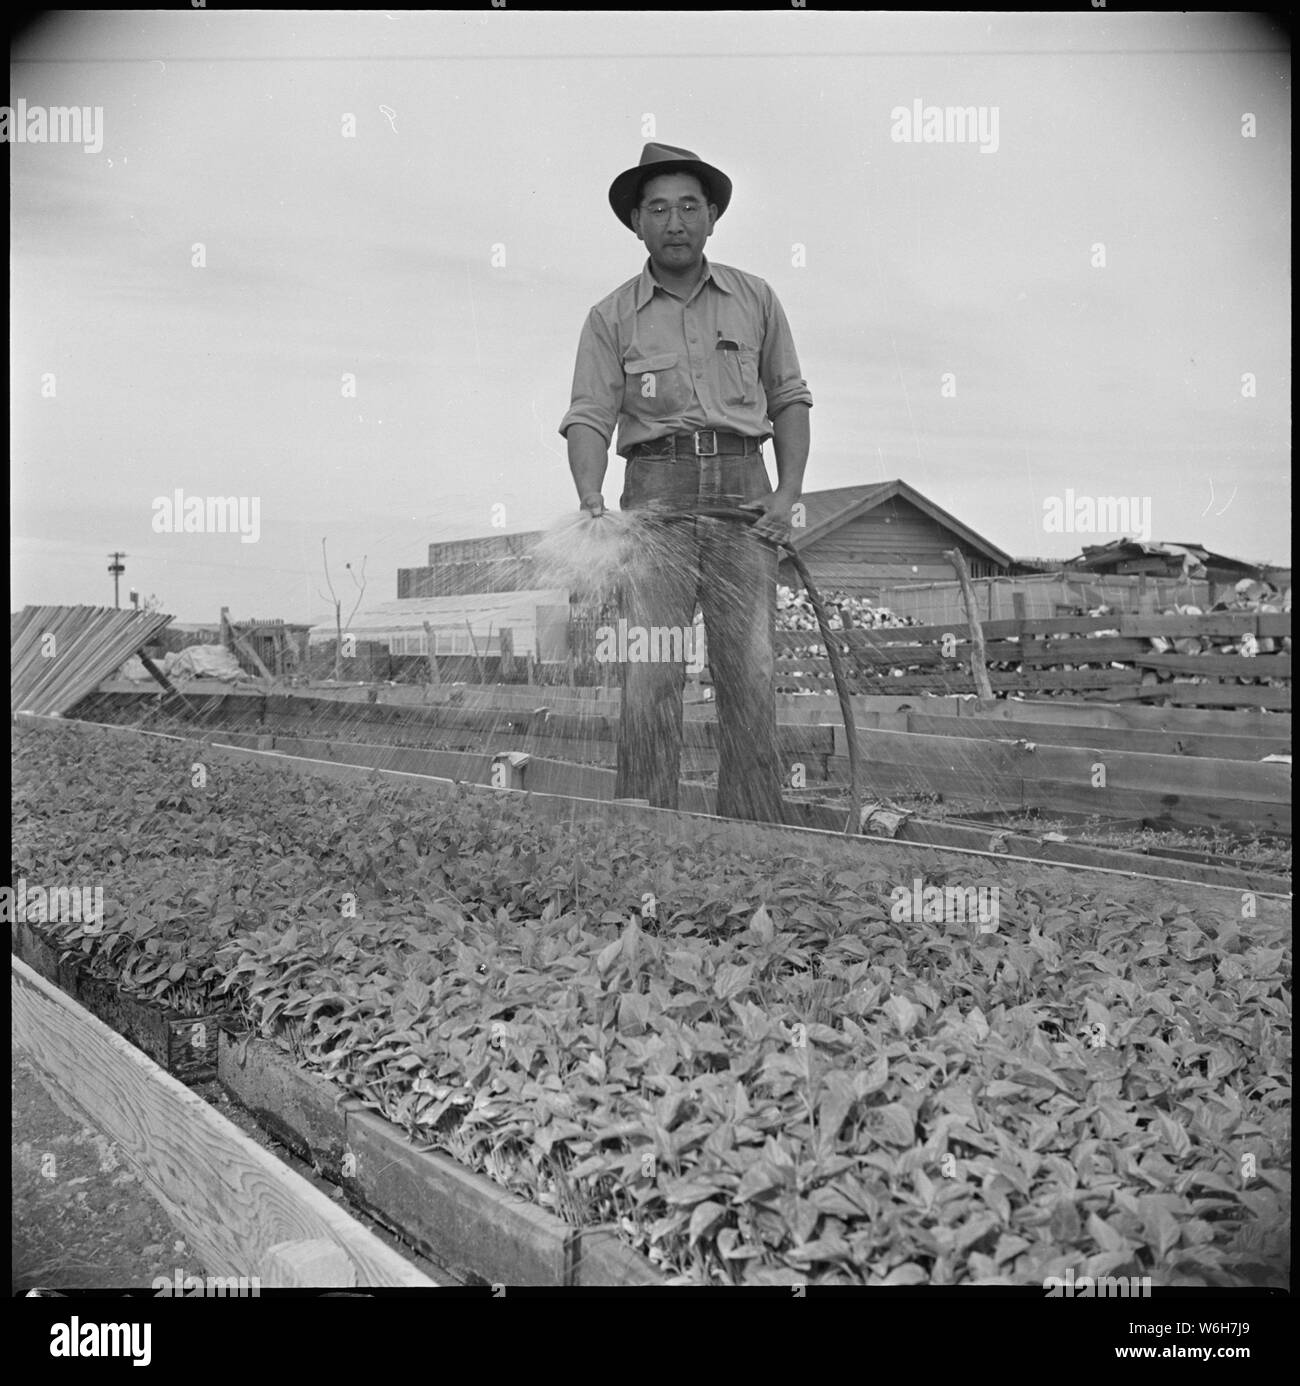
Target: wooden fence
{"type": "Point", "coordinates": [1225, 659]}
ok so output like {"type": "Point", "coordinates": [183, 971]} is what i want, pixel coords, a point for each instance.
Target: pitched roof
{"type": "Point", "coordinates": [826, 511]}
{"type": "Point", "coordinates": [1096, 556]}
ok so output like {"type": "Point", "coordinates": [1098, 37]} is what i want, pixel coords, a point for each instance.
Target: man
{"type": "Point", "coordinates": [695, 363]}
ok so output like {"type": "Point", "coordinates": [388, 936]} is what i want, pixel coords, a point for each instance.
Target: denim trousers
{"type": "Point", "coordinates": [730, 572]}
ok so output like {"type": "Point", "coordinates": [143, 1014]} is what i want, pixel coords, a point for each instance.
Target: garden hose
{"type": "Point", "coordinates": [749, 517]}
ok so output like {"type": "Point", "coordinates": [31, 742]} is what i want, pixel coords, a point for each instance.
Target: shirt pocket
{"type": "Point", "coordinates": [738, 373]}
{"type": "Point", "coordinates": [652, 385]}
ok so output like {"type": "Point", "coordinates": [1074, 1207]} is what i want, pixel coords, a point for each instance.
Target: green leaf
{"type": "Point", "coordinates": [759, 1179]}
{"type": "Point", "coordinates": [687, 1191]}
{"type": "Point", "coordinates": [873, 1078]}
{"type": "Point", "coordinates": [760, 924]}
{"type": "Point", "coordinates": [1175, 1134]}
{"type": "Point", "coordinates": [705, 1217]}
{"type": "Point", "coordinates": [891, 1125]}
{"type": "Point", "coordinates": [731, 980]}
{"type": "Point", "coordinates": [902, 1012]}
{"type": "Point", "coordinates": [839, 1093]}
{"type": "Point", "coordinates": [1105, 1235]}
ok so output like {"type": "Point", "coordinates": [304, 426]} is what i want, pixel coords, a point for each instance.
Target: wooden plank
{"type": "Point", "coordinates": [1044, 655]}
{"type": "Point", "coordinates": [302, 1109]}
{"type": "Point", "coordinates": [1222, 626]}
{"type": "Point", "coordinates": [1264, 666]}
{"type": "Point", "coordinates": [1219, 625]}
{"type": "Point", "coordinates": [823, 708]}
{"type": "Point", "coordinates": [1211, 695]}
{"type": "Point", "coordinates": [540, 775]}
{"type": "Point", "coordinates": [1166, 809]}
{"type": "Point", "coordinates": [185, 1046]}
{"type": "Point", "coordinates": [1244, 723]}
{"type": "Point", "coordinates": [1112, 738]}
{"type": "Point", "coordinates": [1103, 685]}
{"type": "Point", "coordinates": [970, 757]}
{"type": "Point", "coordinates": [458, 1217]}
{"type": "Point", "coordinates": [1179, 789]}
{"type": "Point", "coordinates": [238, 1206]}
{"type": "Point", "coordinates": [948, 834]}
{"type": "Point", "coordinates": [816, 672]}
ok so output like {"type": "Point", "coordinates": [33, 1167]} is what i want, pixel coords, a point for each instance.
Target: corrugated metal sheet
{"type": "Point", "coordinates": [58, 654]}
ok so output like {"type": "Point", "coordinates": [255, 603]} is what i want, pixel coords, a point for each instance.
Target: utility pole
{"type": "Point", "coordinates": [117, 568]}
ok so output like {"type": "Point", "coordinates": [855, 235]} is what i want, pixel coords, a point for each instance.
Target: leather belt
{"type": "Point", "coordinates": [704, 442]}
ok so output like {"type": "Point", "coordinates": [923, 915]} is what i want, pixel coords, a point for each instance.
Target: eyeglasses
{"type": "Point", "coordinates": [658, 212]}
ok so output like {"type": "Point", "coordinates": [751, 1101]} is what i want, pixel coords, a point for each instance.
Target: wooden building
{"type": "Point", "coordinates": [500, 563]}
{"type": "Point", "coordinates": [860, 539]}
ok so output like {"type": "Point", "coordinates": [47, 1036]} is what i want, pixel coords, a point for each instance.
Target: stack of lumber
{"type": "Point", "coordinates": [57, 654]}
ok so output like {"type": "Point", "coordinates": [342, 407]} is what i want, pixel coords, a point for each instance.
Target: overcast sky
{"type": "Point", "coordinates": [136, 372]}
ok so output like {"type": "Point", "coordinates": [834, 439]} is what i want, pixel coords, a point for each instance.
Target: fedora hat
{"type": "Point", "coordinates": [657, 159]}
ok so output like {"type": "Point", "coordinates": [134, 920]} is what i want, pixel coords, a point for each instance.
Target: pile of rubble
{"type": "Point", "coordinates": [794, 611]}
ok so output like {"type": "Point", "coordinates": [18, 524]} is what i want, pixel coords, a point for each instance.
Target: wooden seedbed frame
{"type": "Point", "coordinates": [1043, 763]}
{"type": "Point", "coordinates": [183, 1046]}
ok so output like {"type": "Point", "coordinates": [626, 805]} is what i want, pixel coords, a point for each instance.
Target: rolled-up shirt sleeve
{"type": "Point", "coordinates": [778, 362]}
{"type": "Point", "coordinates": [597, 380]}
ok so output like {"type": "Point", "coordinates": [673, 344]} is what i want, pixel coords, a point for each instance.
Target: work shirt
{"type": "Point", "coordinates": [657, 364]}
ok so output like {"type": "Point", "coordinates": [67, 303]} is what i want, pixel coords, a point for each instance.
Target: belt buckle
{"type": "Point", "coordinates": [713, 438]}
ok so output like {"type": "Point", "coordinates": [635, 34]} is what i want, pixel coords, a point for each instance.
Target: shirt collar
{"type": "Point", "coordinates": [647, 283]}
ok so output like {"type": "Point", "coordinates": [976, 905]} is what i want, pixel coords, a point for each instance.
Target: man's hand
{"type": "Point", "coordinates": [773, 523]}
{"type": "Point", "coordinates": [594, 505]}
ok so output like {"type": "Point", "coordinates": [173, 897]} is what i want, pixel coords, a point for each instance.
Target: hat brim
{"type": "Point", "coordinates": [623, 190]}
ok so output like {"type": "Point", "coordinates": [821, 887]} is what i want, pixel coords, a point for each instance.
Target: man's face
{"type": "Point", "coordinates": [675, 241]}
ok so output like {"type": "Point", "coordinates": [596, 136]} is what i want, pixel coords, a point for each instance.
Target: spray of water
{"type": "Point", "coordinates": [586, 553]}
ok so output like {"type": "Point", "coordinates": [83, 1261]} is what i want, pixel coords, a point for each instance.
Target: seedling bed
{"type": "Point", "coordinates": [395, 730]}
{"type": "Point", "coordinates": [723, 1039]}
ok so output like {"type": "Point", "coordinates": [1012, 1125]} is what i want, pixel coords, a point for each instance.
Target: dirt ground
{"type": "Point", "coordinates": [82, 1218]}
